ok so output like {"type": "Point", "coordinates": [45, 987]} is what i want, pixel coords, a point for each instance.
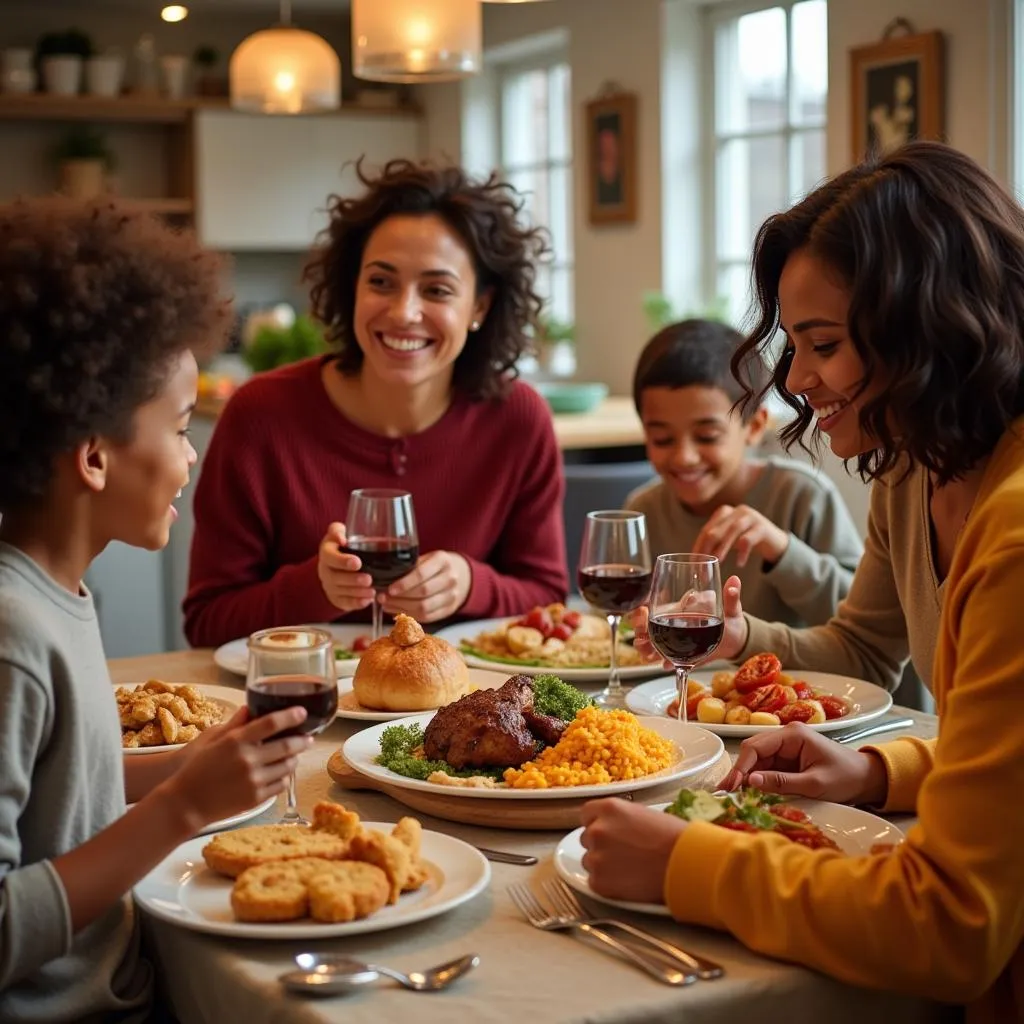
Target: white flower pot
{"type": "Point", "coordinates": [175, 76]}
{"type": "Point", "coordinates": [16, 71]}
{"type": "Point", "coordinates": [104, 75]}
{"type": "Point", "coordinates": [83, 179]}
{"type": "Point", "coordinates": [62, 75]}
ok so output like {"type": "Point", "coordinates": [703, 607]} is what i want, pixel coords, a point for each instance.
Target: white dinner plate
{"type": "Point", "coordinates": [696, 748]}
{"type": "Point", "coordinates": [234, 656]}
{"type": "Point", "coordinates": [229, 700]}
{"type": "Point", "coordinates": [236, 819]}
{"type": "Point", "coordinates": [869, 701]}
{"type": "Point", "coordinates": [183, 890]}
{"type": "Point", "coordinates": [852, 830]}
{"type": "Point", "coordinates": [468, 630]}
{"type": "Point", "coordinates": [349, 707]}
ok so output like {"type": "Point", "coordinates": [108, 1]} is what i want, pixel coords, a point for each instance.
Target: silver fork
{"type": "Point", "coordinates": [569, 909]}
{"type": "Point", "coordinates": [540, 917]}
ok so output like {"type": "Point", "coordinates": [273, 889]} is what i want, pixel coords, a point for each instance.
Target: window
{"type": "Point", "coordinates": [769, 73]}
{"type": "Point", "coordinates": [535, 154]}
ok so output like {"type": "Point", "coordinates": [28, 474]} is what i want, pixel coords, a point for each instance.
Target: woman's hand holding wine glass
{"type": "Point", "coordinates": [734, 635]}
{"type": "Point", "coordinates": [381, 533]}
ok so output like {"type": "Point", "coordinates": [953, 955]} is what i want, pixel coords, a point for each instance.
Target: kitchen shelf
{"type": "Point", "coordinates": [132, 109]}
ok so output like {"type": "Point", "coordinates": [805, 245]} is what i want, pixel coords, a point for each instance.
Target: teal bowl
{"type": "Point", "coordinates": [569, 396]}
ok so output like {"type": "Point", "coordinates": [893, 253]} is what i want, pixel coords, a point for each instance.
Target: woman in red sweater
{"type": "Point", "coordinates": [425, 284]}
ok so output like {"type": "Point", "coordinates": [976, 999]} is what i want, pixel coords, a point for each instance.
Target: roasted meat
{"type": "Point", "coordinates": [490, 728]}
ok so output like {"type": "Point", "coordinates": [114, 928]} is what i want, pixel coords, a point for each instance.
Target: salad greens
{"type": "Point", "coordinates": [746, 805]}
{"type": "Point", "coordinates": [397, 744]}
{"type": "Point", "coordinates": [343, 653]}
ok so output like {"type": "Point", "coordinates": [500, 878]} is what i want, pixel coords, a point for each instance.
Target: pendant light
{"type": "Point", "coordinates": [285, 70]}
{"type": "Point", "coordinates": [416, 40]}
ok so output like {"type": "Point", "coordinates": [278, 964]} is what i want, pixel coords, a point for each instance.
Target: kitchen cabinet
{"type": "Point", "coordinates": [262, 182]}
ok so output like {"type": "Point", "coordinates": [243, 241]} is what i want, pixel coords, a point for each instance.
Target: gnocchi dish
{"type": "Point", "coordinates": [759, 693]}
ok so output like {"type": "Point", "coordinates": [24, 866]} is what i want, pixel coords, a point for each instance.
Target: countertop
{"type": "Point", "coordinates": [613, 424]}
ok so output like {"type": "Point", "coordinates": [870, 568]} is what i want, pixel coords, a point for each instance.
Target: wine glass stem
{"type": "Point", "coordinates": [291, 811]}
{"type": "Point", "coordinates": [378, 616]}
{"type": "Point", "coordinates": [682, 677]}
{"type": "Point", "coordinates": [614, 689]}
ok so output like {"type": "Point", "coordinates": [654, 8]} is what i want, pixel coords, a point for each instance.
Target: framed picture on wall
{"type": "Point", "coordinates": [612, 158]}
{"type": "Point", "coordinates": [898, 92]}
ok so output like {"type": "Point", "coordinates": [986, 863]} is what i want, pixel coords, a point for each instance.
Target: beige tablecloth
{"type": "Point", "coordinates": [525, 976]}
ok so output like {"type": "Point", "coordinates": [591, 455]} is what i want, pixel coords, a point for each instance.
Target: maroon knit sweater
{"type": "Point", "coordinates": [486, 482]}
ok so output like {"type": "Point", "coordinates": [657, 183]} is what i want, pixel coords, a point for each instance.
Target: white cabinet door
{"type": "Point", "coordinates": [262, 182]}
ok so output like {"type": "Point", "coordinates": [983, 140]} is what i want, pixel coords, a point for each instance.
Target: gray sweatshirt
{"type": "Point", "coordinates": [61, 782]}
{"type": "Point", "coordinates": [807, 583]}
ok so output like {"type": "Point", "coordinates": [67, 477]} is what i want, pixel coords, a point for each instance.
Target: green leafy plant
{"type": "Point", "coordinates": [84, 144]}
{"type": "Point", "coordinates": [277, 346]}
{"type": "Point", "coordinates": [205, 57]}
{"type": "Point", "coordinates": [72, 43]}
{"type": "Point", "coordinates": [553, 331]}
{"type": "Point", "coordinates": [660, 312]}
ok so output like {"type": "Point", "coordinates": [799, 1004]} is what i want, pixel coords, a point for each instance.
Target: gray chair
{"type": "Point", "coordinates": [593, 486]}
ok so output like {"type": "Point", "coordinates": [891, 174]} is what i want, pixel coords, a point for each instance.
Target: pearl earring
{"type": "Point", "coordinates": [475, 325]}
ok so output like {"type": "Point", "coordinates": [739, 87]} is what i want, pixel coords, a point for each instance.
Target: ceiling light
{"type": "Point", "coordinates": [174, 12]}
{"type": "Point", "coordinates": [416, 40]}
{"type": "Point", "coordinates": [285, 70]}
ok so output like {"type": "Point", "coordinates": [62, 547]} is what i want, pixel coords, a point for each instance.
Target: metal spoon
{"type": "Point", "coordinates": [328, 975]}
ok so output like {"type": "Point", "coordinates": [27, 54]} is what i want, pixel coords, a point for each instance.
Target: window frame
{"type": "Point", "coordinates": [505, 69]}
{"type": "Point", "coordinates": [712, 140]}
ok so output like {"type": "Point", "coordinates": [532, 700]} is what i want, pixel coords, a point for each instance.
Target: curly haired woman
{"type": "Point", "coordinates": [900, 287]}
{"type": "Point", "coordinates": [425, 283]}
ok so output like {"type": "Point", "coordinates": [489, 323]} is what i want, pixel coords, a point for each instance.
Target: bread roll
{"type": "Point", "coordinates": [409, 670]}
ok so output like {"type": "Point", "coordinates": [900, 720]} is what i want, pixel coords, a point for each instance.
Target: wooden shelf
{"type": "Point", "coordinates": [144, 109]}
{"type": "Point", "coordinates": [137, 109]}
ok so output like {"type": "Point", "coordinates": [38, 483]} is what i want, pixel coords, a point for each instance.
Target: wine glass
{"type": "Point", "coordinates": [615, 576]}
{"type": "Point", "coordinates": [289, 666]}
{"type": "Point", "coordinates": [380, 530]}
{"type": "Point", "coordinates": [686, 621]}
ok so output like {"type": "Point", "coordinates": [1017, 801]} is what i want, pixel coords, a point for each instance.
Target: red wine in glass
{"type": "Point", "coordinates": [614, 576]}
{"type": "Point", "coordinates": [615, 589]}
{"type": "Point", "coordinates": [275, 693]}
{"type": "Point", "coordinates": [384, 559]}
{"type": "Point", "coordinates": [686, 637]}
{"type": "Point", "coordinates": [686, 621]}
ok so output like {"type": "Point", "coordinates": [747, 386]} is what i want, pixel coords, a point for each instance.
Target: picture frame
{"type": "Point", "coordinates": [611, 122]}
{"type": "Point", "coordinates": [898, 92]}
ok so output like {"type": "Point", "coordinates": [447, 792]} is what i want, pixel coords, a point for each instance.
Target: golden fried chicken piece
{"type": "Point", "coordinates": [169, 725]}
{"type": "Point", "coordinates": [334, 818]}
{"type": "Point", "coordinates": [391, 855]}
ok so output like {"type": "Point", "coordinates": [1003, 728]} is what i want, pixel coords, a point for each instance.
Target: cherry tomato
{"type": "Point", "coordinates": [572, 620]}
{"type": "Point", "coordinates": [760, 670]}
{"type": "Point", "coordinates": [738, 826]}
{"type": "Point", "coordinates": [803, 691]}
{"type": "Point", "coordinates": [789, 813]}
{"type": "Point", "coordinates": [766, 698]}
{"type": "Point", "coordinates": [801, 711]}
{"type": "Point", "coordinates": [561, 631]}
{"type": "Point", "coordinates": [360, 644]}
{"type": "Point", "coordinates": [834, 707]}
{"type": "Point", "coordinates": [540, 618]}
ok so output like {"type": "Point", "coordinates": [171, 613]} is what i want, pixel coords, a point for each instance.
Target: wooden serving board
{"type": "Point", "coordinates": [541, 815]}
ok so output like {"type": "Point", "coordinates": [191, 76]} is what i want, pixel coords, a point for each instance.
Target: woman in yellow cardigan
{"type": "Point", "coordinates": [900, 287]}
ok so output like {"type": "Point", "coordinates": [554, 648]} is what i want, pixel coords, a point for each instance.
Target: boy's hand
{"type": "Point", "coordinates": [744, 529]}
{"type": "Point", "coordinates": [239, 766]}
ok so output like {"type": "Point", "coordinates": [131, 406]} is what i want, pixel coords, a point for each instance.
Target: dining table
{"type": "Point", "coordinates": [525, 975]}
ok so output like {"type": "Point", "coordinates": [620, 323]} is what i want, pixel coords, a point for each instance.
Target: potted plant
{"type": "Point", "coordinates": [556, 351]}
{"type": "Point", "coordinates": [61, 56]}
{"type": "Point", "coordinates": [83, 160]}
{"type": "Point", "coordinates": [206, 59]}
{"type": "Point", "coordinates": [660, 312]}
{"type": "Point", "coordinates": [274, 346]}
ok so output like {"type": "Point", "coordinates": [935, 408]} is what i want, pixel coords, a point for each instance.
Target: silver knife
{"type": "Point", "coordinates": [501, 857]}
{"type": "Point", "coordinates": [872, 729]}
